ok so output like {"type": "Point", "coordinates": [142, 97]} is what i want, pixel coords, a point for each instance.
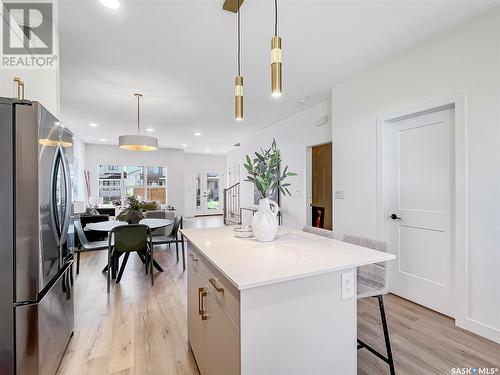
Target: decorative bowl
{"type": "Point", "coordinates": [243, 231]}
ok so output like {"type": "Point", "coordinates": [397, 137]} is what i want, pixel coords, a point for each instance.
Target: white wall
{"type": "Point", "coordinates": [79, 155]}
{"type": "Point", "coordinates": [293, 135]}
{"type": "Point", "coordinates": [203, 162]}
{"type": "Point", "coordinates": [464, 59]}
{"type": "Point", "coordinates": [172, 159]}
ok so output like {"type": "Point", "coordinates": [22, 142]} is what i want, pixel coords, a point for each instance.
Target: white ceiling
{"type": "Point", "coordinates": [181, 56]}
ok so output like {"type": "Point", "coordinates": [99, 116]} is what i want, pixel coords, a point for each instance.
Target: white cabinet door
{"type": "Point", "coordinates": [223, 341]}
{"type": "Point", "coordinates": [196, 326]}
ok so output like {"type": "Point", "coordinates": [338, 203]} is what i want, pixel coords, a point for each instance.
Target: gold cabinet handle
{"type": "Point", "coordinates": [201, 303]}
{"type": "Point", "coordinates": [214, 283]}
{"type": "Point", "coordinates": [191, 255]}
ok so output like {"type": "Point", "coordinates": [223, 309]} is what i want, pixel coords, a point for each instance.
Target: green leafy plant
{"type": "Point", "coordinates": [264, 171]}
{"type": "Point", "coordinates": [149, 206]}
{"type": "Point", "coordinates": [132, 214]}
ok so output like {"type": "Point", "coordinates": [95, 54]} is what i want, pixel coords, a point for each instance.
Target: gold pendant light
{"type": "Point", "coordinates": [138, 142]}
{"type": "Point", "coordinates": [238, 81]}
{"type": "Point", "coordinates": [276, 64]}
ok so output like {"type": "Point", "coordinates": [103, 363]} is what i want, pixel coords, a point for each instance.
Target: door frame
{"type": "Point", "coordinates": [204, 172]}
{"type": "Point", "coordinates": [309, 171]}
{"type": "Point", "coordinates": [459, 222]}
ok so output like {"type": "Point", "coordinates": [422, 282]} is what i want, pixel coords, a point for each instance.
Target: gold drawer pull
{"type": "Point", "coordinates": [201, 304]}
{"type": "Point", "coordinates": [191, 255]}
{"type": "Point", "coordinates": [218, 289]}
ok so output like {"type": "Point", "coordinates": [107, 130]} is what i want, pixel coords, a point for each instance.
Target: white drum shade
{"type": "Point", "coordinates": [138, 142]}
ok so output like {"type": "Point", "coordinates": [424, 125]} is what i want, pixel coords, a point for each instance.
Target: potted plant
{"type": "Point", "coordinates": [264, 172]}
{"type": "Point", "coordinates": [132, 214]}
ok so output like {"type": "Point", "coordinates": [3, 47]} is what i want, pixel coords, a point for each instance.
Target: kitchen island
{"type": "Point", "coordinates": [281, 307]}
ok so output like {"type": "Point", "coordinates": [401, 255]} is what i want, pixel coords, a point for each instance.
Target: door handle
{"type": "Point", "coordinates": [214, 283]}
{"type": "Point", "coordinates": [395, 217]}
{"type": "Point", "coordinates": [201, 303]}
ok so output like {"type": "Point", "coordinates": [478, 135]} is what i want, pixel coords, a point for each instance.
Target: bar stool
{"type": "Point", "coordinates": [372, 281]}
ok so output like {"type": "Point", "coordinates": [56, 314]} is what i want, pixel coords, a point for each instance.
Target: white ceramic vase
{"type": "Point", "coordinates": [265, 220]}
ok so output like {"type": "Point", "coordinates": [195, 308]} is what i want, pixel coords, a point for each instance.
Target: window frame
{"type": "Point", "coordinates": [123, 187]}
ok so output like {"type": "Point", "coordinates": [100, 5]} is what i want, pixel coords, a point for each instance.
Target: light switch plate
{"type": "Point", "coordinates": [348, 285]}
{"type": "Point", "coordinates": [339, 194]}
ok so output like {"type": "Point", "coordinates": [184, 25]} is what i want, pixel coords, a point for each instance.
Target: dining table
{"type": "Point", "coordinates": [108, 226]}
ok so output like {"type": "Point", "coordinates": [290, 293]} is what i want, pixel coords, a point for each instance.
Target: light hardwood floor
{"type": "Point", "coordinates": [140, 329]}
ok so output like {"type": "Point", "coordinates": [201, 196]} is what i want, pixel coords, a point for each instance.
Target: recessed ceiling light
{"type": "Point", "coordinates": [112, 4]}
{"type": "Point", "coordinates": [207, 150]}
{"type": "Point", "coordinates": [103, 139]}
{"type": "Point", "coordinates": [150, 130]}
{"type": "Point", "coordinates": [184, 145]}
{"type": "Point", "coordinates": [197, 134]}
{"type": "Point", "coordinates": [93, 125]}
{"type": "Point", "coordinates": [303, 100]}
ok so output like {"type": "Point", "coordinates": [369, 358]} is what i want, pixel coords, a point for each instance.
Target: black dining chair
{"type": "Point", "coordinates": [85, 245]}
{"type": "Point", "coordinates": [174, 237]}
{"type": "Point", "coordinates": [94, 235]}
{"type": "Point", "coordinates": [126, 239]}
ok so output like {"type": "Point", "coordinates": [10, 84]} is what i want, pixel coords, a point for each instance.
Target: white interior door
{"type": "Point", "coordinates": [418, 190]}
{"type": "Point", "coordinates": [208, 192]}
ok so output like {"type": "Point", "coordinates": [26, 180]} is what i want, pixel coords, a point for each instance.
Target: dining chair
{"type": "Point", "coordinates": [94, 235]}
{"type": "Point", "coordinates": [173, 237]}
{"type": "Point", "coordinates": [85, 245]}
{"type": "Point", "coordinates": [158, 214]}
{"type": "Point", "coordinates": [319, 231]}
{"type": "Point", "coordinates": [373, 281]}
{"type": "Point", "coordinates": [126, 239]}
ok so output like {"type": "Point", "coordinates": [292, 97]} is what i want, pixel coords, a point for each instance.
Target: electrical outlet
{"type": "Point", "coordinates": [348, 285]}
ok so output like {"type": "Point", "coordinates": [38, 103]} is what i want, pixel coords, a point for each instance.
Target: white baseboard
{"type": "Point", "coordinates": [481, 329]}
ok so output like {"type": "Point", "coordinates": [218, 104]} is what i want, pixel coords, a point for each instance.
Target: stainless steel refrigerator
{"type": "Point", "coordinates": [36, 281]}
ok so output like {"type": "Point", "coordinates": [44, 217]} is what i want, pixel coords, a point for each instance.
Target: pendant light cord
{"type": "Point", "coordinates": [239, 40]}
{"type": "Point", "coordinates": [275, 17]}
{"type": "Point", "coordinates": [138, 118]}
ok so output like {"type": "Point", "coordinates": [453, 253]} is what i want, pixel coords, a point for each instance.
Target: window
{"type": "Point", "coordinates": [110, 180]}
{"type": "Point", "coordinates": [148, 183]}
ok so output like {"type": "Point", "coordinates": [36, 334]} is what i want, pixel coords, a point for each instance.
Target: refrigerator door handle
{"type": "Point", "coordinates": [52, 204]}
{"type": "Point", "coordinates": [68, 203]}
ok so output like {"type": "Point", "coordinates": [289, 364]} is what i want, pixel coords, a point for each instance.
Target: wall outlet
{"type": "Point", "coordinates": [339, 194]}
{"type": "Point", "coordinates": [348, 285]}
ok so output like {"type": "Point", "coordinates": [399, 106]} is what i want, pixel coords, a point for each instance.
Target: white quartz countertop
{"type": "Point", "coordinates": [248, 263]}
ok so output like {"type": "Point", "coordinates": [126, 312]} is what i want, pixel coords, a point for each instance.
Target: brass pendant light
{"type": "Point", "coordinates": [276, 64]}
{"type": "Point", "coordinates": [138, 142]}
{"type": "Point", "coordinates": [238, 81]}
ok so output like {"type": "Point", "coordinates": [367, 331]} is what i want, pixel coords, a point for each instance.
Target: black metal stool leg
{"type": "Point", "coordinates": [390, 359]}
{"type": "Point", "coordinates": [77, 263]}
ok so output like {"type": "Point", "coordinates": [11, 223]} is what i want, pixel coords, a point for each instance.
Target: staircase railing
{"type": "Point", "coordinates": [232, 214]}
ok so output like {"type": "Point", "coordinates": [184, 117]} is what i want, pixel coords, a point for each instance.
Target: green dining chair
{"type": "Point", "coordinates": [126, 239]}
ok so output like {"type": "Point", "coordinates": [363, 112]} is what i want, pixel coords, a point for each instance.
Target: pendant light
{"type": "Point", "coordinates": [276, 78]}
{"type": "Point", "coordinates": [238, 81]}
{"type": "Point", "coordinates": [138, 142]}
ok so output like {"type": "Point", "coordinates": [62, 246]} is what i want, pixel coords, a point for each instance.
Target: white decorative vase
{"type": "Point", "coordinates": [265, 220]}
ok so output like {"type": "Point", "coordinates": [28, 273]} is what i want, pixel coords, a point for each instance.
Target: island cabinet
{"type": "Point", "coordinates": [213, 318]}
{"type": "Point", "coordinates": [277, 308]}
